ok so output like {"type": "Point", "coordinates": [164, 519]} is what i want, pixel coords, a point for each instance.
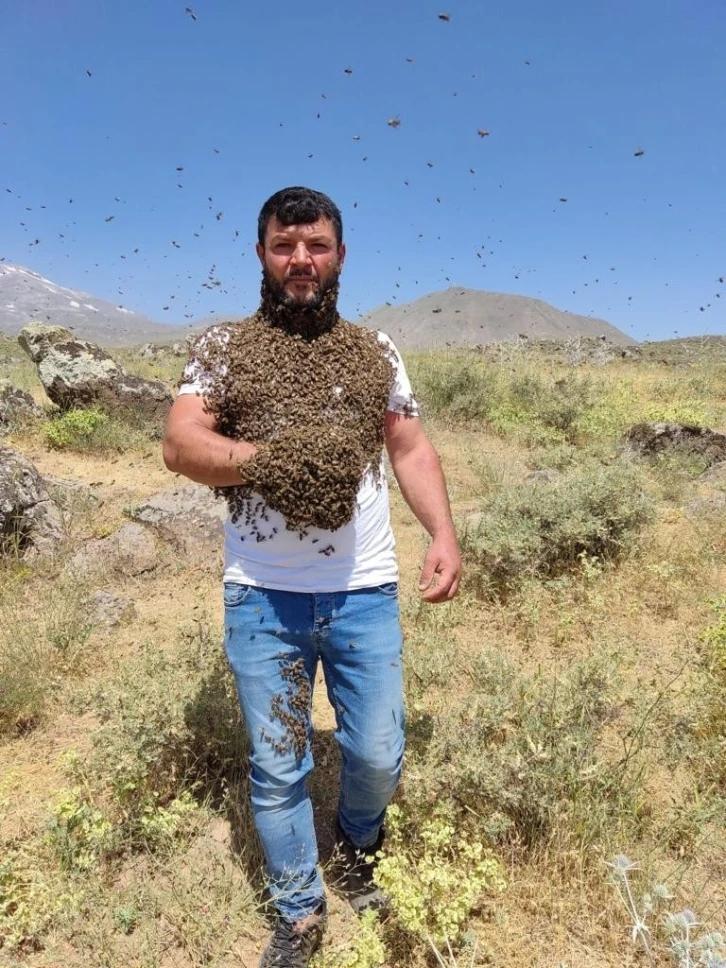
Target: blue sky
{"type": "Point", "coordinates": [248, 98]}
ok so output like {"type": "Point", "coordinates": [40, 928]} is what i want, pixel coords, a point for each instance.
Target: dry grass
{"type": "Point", "coordinates": [194, 899]}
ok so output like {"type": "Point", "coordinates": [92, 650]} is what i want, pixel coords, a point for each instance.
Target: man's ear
{"type": "Point", "coordinates": [341, 254]}
{"type": "Point", "coordinates": [260, 252]}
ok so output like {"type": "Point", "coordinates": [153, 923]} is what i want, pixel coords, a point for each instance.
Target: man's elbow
{"type": "Point", "coordinates": [170, 453]}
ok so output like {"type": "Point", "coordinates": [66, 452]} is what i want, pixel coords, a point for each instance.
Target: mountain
{"type": "Point", "coordinates": [470, 317]}
{"type": "Point", "coordinates": [453, 317]}
{"type": "Point", "coordinates": [26, 296]}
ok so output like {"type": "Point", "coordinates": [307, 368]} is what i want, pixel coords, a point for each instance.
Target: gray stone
{"type": "Point", "coordinates": [76, 373]}
{"type": "Point", "coordinates": [542, 475]}
{"type": "Point", "coordinates": [109, 610]}
{"type": "Point", "coordinates": [16, 405]}
{"type": "Point", "coordinates": [129, 551]}
{"type": "Point", "coordinates": [37, 339]}
{"type": "Point", "coordinates": [30, 523]}
{"type": "Point", "coordinates": [706, 505]}
{"type": "Point", "coordinates": [715, 476]}
{"type": "Point", "coordinates": [189, 516]}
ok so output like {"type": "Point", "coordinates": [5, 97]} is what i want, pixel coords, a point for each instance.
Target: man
{"type": "Point", "coordinates": [286, 414]}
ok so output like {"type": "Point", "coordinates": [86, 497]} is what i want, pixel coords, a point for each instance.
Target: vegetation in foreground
{"type": "Point", "coordinates": [566, 713]}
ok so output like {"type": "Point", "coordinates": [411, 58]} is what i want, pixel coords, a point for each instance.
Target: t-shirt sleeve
{"type": "Point", "coordinates": [401, 398]}
{"type": "Point", "coordinates": [194, 377]}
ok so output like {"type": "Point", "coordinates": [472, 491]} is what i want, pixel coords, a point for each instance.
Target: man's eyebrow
{"type": "Point", "coordinates": [286, 237]}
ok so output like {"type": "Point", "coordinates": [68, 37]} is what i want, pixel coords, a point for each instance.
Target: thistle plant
{"type": "Point", "coordinates": [680, 930]}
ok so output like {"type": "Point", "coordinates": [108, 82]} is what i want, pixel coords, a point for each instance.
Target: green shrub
{"type": "Point", "coordinates": [456, 387]}
{"type": "Point", "coordinates": [555, 403]}
{"type": "Point", "coordinates": [364, 950]}
{"type": "Point", "coordinates": [170, 723]}
{"type": "Point", "coordinates": [533, 406]}
{"type": "Point", "coordinates": [38, 650]}
{"type": "Point", "coordinates": [519, 760]}
{"type": "Point", "coordinates": [434, 876]}
{"type": "Point", "coordinates": [544, 529]}
{"type": "Point", "coordinates": [76, 429]}
{"type": "Point", "coordinates": [78, 831]}
{"type": "Point", "coordinates": [93, 430]}
{"type": "Point", "coordinates": [707, 725]}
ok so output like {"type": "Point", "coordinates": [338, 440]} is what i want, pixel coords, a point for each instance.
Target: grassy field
{"type": "Point", "coordinates": [564, 794]}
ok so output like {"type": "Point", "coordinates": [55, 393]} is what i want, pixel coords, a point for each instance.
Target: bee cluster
{"type": "Point", "coordinates": [312, 399]}
{"type": "Point", "coordinates": [292, 710]}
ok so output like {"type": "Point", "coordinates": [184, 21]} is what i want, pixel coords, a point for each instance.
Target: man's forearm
{"type": "Point", "coordinates": [206, 456]}
{"type": "Point", "coordinates": [423, 486]}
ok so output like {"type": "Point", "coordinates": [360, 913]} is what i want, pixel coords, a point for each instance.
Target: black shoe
{"type": "Point", "coordinates": [293, 945]}
{"type": "Point", "coordinates": [352, 869]}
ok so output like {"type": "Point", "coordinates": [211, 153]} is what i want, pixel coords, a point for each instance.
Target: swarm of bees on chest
{"type": "Point", "coordinates": [313, 399]}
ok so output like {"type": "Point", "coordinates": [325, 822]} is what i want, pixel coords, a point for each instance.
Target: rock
{"type": "Point", "coordinates": [76, 373]}
{"type": "Point", "coordinates": [710, 498]}
{"type": "Point", "coordinates": [64, 485]}
{"type": "Point", "coordinates": [30, 523]}
{"type": "Point", "coordinates": [715, 476]}
{"type": "Point", "coordinates": [108, 610]}
{"type": "Point", "coordinates": [542, 475]}
{"type": "Point", "coordinates": [130, 551]}
{"type": "Point", "coordinates": [37, 339]}
{"type": "Point", "coordinates": [150, 351]}
{"type": "Point", "coordinates": [190, 517]}
{"type": "Point", "coordinates": [649, 439]}
{"type": "Point", "coordinates": [706, 505]}
{"type": "Point", "coordinates": [16, 405]}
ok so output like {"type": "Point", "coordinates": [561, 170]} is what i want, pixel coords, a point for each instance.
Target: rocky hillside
{"type": "Point", "coordinates": [26, 296]}
{"type": "Point", "coordinates": [453, 317]}
{"type": "Point", "coordinates": [471, 317]}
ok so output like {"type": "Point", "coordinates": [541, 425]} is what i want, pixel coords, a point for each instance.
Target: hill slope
{"type": "Point", "coordinates": [468, 317]}
{"type": "Point", "coordinates": [27, 296]}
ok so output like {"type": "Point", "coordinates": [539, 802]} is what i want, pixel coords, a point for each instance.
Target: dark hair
{"type": "Point", "coordinates": [299, 206]}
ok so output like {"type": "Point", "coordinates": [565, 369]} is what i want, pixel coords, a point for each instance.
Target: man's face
{"type": "Point", "coordinates": [301, 262]}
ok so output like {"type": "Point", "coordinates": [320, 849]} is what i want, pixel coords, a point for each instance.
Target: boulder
{"type": "Point", "coordinates": [190, 517]}
{"type": "Point", "coordinates": [715, 476]}
{"type": "Point", "coordinates": [30, 523]}
{"type": "Point", "coordinates": [650, 439]}
{"type": "Point", "coordinates": [152, 351]}
{"type": "Point", "coordinates": [16, 405]}
{"type": "Point", "coordinates": [709, 504]}
{"type": "Point", "coordinates": [129, 551]}
{"type": "Point", "coordinates": [109, 610]}
{"type": "Point", "coordinates": [76, 373]}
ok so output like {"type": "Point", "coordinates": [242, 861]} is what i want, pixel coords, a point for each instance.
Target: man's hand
{"type": "Point", "coordinates": [441, 572]}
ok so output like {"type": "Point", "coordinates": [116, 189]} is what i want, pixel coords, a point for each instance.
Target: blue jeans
{"type": "Point", "coordinates": [274, 640]}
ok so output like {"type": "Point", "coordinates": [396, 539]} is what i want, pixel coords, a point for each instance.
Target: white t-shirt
{"type": "Point", "coordinates": [361, 554]}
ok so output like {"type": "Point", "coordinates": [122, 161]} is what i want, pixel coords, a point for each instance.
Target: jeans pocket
{"type": "Point", "coordinates": [235, 594]}
{"type": "Point", "coordinates": [390, 589]}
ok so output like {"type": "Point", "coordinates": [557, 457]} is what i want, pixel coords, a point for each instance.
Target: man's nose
{"type": "Point", "coordinates": [300, 255]}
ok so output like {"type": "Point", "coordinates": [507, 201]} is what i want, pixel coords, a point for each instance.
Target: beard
{"type": "Point", "coordinates": [309, 316]}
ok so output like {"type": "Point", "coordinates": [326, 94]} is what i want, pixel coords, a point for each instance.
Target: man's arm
{"type": "Point", "coordinates": [418, 471]}
{"type": "Point", "coordinates": [193, 446]}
